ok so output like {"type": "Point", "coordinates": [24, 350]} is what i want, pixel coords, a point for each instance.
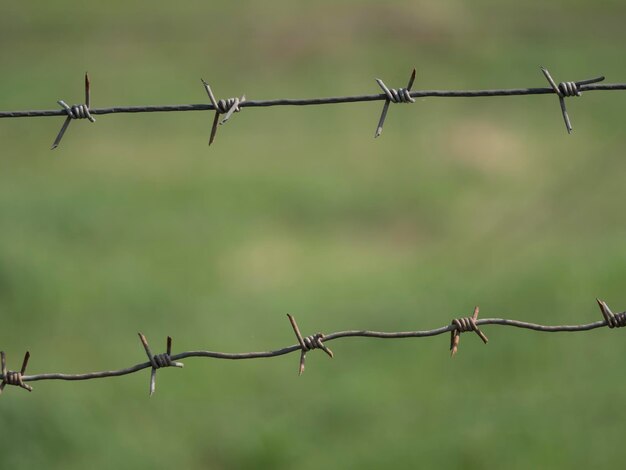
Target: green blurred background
{"type": "Point", "coordinates": [134, 224]}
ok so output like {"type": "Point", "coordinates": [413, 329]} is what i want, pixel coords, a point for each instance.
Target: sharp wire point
{"type": "Point", "coordinates": [411, 79]}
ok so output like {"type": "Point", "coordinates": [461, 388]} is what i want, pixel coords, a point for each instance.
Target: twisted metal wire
{"type": "Point", "coordinates": [229, 106]}
{"type": "Point", "coordinates": [306, 344]}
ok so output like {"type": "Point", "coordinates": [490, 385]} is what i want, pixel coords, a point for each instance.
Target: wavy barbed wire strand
{"type": "Point", "coordinates": [610, 319]}
{"type": "Point", "coordinates": [401, 95]}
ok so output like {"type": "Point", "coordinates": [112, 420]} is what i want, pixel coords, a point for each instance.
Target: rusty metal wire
{"type": "Point", "coordinates": [306, 344]}
{"type": "Point", "coordinates": [227, 107]}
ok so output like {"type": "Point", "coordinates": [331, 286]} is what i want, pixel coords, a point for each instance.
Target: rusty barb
{"type": "Point", "coordinates": [462, 325]}
{"type": "Point", "coordinates": [306, 344]}
{"type": "Point", "coordinates": [10, 377]}
{"type": "Point", "coordinates": [226, 107]}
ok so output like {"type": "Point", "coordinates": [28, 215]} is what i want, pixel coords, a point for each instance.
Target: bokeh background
{"type": "Point", "coordinates": [134, 224]}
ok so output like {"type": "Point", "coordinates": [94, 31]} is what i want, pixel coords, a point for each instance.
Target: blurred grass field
{"type": "Point", "coordinates": [134, 224]}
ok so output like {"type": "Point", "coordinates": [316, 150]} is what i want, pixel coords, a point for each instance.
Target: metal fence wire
{"type": "Point", "coordinates": [306, 344]}
{"type": "Point", "coordinates": [225, 108]}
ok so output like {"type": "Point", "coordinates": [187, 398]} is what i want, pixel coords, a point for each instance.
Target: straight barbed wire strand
{"type": "Point", "coordinates": [316, 341]}
{"type": "Point", "coordinates": [401, 95]}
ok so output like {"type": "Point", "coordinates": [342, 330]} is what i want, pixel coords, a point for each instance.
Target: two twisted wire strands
{"type": "Point", "coordinates": [227, 107]}
{"type": "Point", "coordinates": [306, 344]}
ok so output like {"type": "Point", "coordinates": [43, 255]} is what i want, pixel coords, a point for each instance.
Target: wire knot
{"type": "Point", "coordinates": [308, 343]}
{"type": "Point", "coordinates": [463, 325]}
{"type": "Point", "coordinates": [313, 342]}
{"type": "Point", "coordinates": [613, 320]}
{"type": "Point", "coordinates": [399, 95]}
{"type": "Point", "coordinates": [10, 377]}
{"type": "Point", "coordinates": [14, 378]}
{"type": "Point", "coordinates": [77, 111]}
{"type": "Point", "coordinates": [394, 95]}
{"type": "Point", "coordinates": [162, 360]}
{"type": "Point", "coordinates": [226, 107]}
{"type": "Point", "coordinates": [158, 360]}
{"type": "Point", "coordinates": [569, 89]}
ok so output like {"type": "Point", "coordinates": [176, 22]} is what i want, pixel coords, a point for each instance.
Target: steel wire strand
{"type": "Point", "coordinates": [224, 108]}
{"type": "Point", "coordinates": [315, 341]}
{"type": "Point", "coordinates": [314, 101]}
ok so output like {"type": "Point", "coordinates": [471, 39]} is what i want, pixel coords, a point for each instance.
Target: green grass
{"type": "Point", "coordinates": [133, 224]}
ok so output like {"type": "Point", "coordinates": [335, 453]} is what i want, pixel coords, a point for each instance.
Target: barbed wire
{"type": "Point", "coordinates": [227, 107]}
{"type": "Point", "coordinates": [306, 344]}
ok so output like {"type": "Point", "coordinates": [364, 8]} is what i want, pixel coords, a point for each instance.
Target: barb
{"type": "Point", "coordinates": [306, 344]}
{"type": "Point", "coordinates": [10, 377]}
{"type": "Point", "coordinates": [461, 325]}
{"type": "Point", "coordinates": [159, 360]}
{"type": "Point", "coordinates": [565, 89]}
{"type": "Point", "coordinates": [78, 111]}
{"type": "Point", "coordinates": [402, 95]}
{"type": "Point", "coordinates": [226, 107]}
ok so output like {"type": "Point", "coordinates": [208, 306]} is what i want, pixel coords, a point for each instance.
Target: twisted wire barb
{"type": "Point", "coordinates": [390, 95]}
{"type": "Point", "coordinates": [403, 95]}
{"type": "Point", "coordinates": [10, 377]}
{"type": "Point", "coordinates": [306, 344]}
{"type": "Point", "coordinates": [462, 325]}
{"type": "Point", "coordinates": [77, 111]}
{"type": "Point", "coordinates": [158, 360]}
{"type": "Point", "coordinates": [226, 107]}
